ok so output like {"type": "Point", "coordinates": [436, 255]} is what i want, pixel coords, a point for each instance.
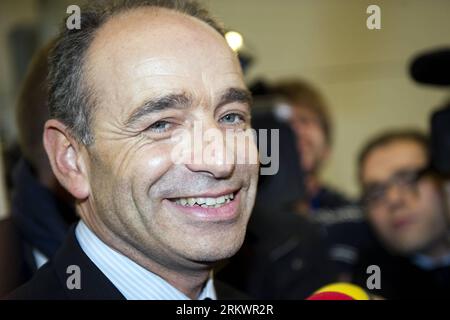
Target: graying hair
{"type": "Point", "coordinates": [70, 99]}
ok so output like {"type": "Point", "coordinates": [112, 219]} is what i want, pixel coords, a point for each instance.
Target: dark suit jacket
{"type": "Point", "coordinates": [38, 220]}
{"type": "Point", "coordinates": [400, 277]}
{"type": "Point", "coordinates": [17, 263]}
{"type": "Point", "coordinates": [49, 282]}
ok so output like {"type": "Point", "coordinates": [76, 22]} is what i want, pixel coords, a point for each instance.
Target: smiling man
{"type": "Point", "coordinates": [120, 88]}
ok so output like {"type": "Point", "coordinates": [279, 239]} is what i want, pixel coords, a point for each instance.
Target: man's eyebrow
{"type": "Point", "coordinates": [183, 101]}
{"type": "Point", "coordinates": [157, 104]}
{"type": "Point", "coordinates": [235, 95]}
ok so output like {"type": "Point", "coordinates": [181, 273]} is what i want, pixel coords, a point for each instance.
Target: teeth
{"type": "Point", "coordinates": [220, 200]}
{"type": "Point", "coordinates": [206, 202]}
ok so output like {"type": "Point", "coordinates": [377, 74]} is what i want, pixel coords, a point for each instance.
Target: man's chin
{"type": "Point", "coordinates": [407, 248]}
{"type": "Point", "coordinates": [209, 258]}
{"type": "Point", "coordinates": [214, 253]}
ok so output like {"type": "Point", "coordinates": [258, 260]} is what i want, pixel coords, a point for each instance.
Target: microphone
{"type": "Point", "coordinates": [432, 67]}
{"type": "Point", "coordinates": [339, 291]}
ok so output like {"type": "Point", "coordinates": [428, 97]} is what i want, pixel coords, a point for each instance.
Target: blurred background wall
{"type": "Point", "coordinates": [3, 204]}
{"type": "Point", "coordinates": [362, 73]}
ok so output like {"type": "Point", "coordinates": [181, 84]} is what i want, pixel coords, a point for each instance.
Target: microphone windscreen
{"type": "Point", "coordinates": [432, 67]}
{"type": "Point", "coordinates": [338, 291]}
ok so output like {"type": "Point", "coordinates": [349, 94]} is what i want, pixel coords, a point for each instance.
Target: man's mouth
{"type": "Point", "coordinates": [205, 202]}
{"type": "Point", "coordinates": [402, 223]}
{"type": "Point", "coordinates": [211, 207]}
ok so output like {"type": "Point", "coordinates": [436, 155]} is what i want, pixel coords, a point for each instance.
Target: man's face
{"type": "Point", "coordinates": [154, 72]}
{"type": "Point", "coordinates": [311, 140]}
{"type": "Point", "coordinates": [409, 216]}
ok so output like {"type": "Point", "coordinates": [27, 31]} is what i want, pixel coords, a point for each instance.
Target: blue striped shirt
{"type": "Point", "coordinates": [132, 280]}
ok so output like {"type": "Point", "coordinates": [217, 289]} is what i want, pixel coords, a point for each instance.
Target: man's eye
{"type": "Point", "coordinates": [232, 118]}
{"type": "Point", "coordinates": [160, 126]}
{"type": "Point", "coordinates": [406, 178]}
{"type": "Point", "coordinates": [374, 193]}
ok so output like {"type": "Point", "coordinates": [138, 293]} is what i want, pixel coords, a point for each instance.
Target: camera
{"type": "Point", "coordinates": [433, 68]}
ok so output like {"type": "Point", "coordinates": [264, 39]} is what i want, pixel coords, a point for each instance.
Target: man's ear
{"type": "Point", "coordinates": [64, 153]}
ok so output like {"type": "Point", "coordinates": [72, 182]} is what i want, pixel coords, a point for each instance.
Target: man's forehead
{"type": "Point", "coordinates": [141, 59]}
{"type": "Point", "coordinates": [154, 29]}
{"type": "Point", "coordinates": [159, 76]}
{"type": "Point", "coordinates": [161, 66]}
{"type": "Point", "coordinates": [386, 160]}
{"type": "Point", "coordinates": [140, 38]}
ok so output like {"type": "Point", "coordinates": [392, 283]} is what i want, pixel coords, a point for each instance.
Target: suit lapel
{"type": "Point", "coordinates": [226, 292]}
{"type": "Point", "coordinates": [94, 284]}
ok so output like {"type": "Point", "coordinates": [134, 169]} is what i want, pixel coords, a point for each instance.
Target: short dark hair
{"type": "Point", "coordinates": [300, 92]}
{"type": "Point", "coordinates": [388, 137]}
{"type": "Point", "coordinates": [70, 100]}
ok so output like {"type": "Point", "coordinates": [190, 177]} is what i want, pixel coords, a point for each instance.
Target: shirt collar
{"type": "Point", "coordinates": [132, 280]}
{"type": "Point", "coordinates": [428, 263]}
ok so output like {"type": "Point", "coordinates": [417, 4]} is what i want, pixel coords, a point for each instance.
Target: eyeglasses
{"type": "Point", "coordinates": [406, 180]}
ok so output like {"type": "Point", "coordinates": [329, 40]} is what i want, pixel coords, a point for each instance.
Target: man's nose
{"type": "Point", "coordinates": [395, 197]}
{"type": "Point", "coordinates": [212, 157]}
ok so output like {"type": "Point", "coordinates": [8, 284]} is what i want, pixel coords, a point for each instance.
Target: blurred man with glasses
{"type": "Point", "coordinates": [406, 208]}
